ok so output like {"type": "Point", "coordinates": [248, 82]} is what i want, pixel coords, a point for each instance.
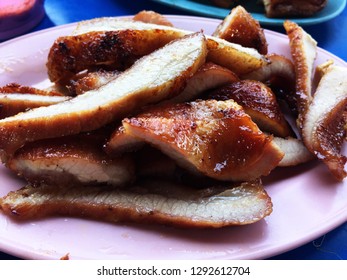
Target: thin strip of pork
{"type": "Point", "coordinates": [239, 59]}
{"type": "Point", "coordinates": [77, 159]}
{"type": "Point", "coordinates": [304, 50]}
{"type": "Point", "coordinates": [151, 202]}
{"type": "Point", "coordinates": [259, 102]}
{"type": "Point", "coordinates": [324, 126]}
{"type": "Point", "coordinates": [241, 28]}
{"type": "Point", "coordinates": [214, 138]}
{"type": "Point", "coordinates": [152, 17]}
{"type": "Point", "coordinates": [155, 77]}
{"type": "Point", "coordinates": [14, 103]}
{"type": "Point", "coordinates": [208, 77]}
{"type": "Point", "coordinates": [295, 152]}
{"type": "Point", "coordinates": [17, 88]}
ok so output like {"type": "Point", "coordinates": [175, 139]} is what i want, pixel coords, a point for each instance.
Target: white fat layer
{"type": "Point", "coordinates": [310, 52]}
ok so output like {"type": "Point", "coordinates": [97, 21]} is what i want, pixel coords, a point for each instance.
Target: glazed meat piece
{"type": "Point", "coordinates": [324, 126]}
{"type": "Point", "coordinates": [208, 77]}
{"type": "Point", "coordinates": [17, 88]}
{"type": "Point", "coordinates": [259, 102]}
{"type": "Point", "coordinates": [71, 160]}
{"type": "Point", "coordinates": [214, 138]}
{"type": "Point", "coordinates": [155, 77]}
{"type": "Point", "coordinates": [304, 50]}
{"type": "Point", "coordinates": [156, 202]}
{"type": "Point", "coordinates": [296, 8]}
{"type": "Point", "coordinates": [238, 59]}
{"type": "Point", "coordinates": [241, 28]}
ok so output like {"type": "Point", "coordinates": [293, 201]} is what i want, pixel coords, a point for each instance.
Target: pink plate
{"type": "Point", "coordinates": [308, 202]}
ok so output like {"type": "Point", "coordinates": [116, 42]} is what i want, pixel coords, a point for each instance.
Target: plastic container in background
{"type": "Point", "coordinates": [19, 16]}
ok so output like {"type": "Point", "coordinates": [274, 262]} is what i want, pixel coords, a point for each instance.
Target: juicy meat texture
{"type": "Point", "coordinates": [295, 152]}
{"type": "Point", "coordinates": [73, 159]}
{"type": "Point", "coordinates": [208, 77]}
{"type": "Point", "coordinates": [304, 50]}
{"type": "Point", "coordinates": [14, 103]}
{"type": "Point", "coordinates": [71, 54]}
{"type": "Point", "coordinates": [214, 138]}
{"type": "Point", "coordinates": [324, 126]}
{"type": "Point", "coordinates": [296, 8]}
{"type": "Point", "coordinates": [238, 59]}
{"type": "Point", "coordinates": [160, 75]}
{"type": "Point", "coordinates": [155, 202]}
{"type": "Point", "coordinates": [241, 28]}
{"type": "Point", "coordinates": [259, 102]}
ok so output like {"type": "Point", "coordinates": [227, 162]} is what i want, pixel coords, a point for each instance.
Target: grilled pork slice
{"type": "Point", "coordinates": [214, 138]}
{"type": "Point", "coordinates": [296, 8]}
{"type": "Point", "coordinates": [17, 88]}
{"type": "Point", "coordinates": [152, 17]}
{"type": "Point", "coordinates": [151, 202]}
{"type": "Point", "coordinates": [303, 49]}
{"type": "Point", "coordinates": [208, 77]}
{"type": "Point", "coordinates": [295, 152]}
{"type": "Point", "coordinates": [259, 102]}
{"type": "Point", "coordinates": [75, 159]}
{"type": "Point", "coordinates": [241, 28]}
{"type": "Point", "coordinates": [239, 59]}
{"type": "Point", "coordinates": [160, 75]}
{"type": "Point", "coordinates": [14, 103]}
{"type": "Point", "coordinates": [324, 126]}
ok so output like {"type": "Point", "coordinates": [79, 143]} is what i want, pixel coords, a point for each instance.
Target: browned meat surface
{"type": "Point", "coordinates": [259, 102]}
{"type": "Point", "coordinates": [73, 159]}
{"type": "Point", "coordinates": [296, 8]}
{"type": "Point", "coordinates": [303, 49]}
{"type": "Point", "coordinates": [16, 88]}
{"type": "Point", "coordinates": [151, 202]}
{"type": "Point", "coordinates": [324, 126]}
{"type": "Point", "coordinates": [241, 28]}
{"type": "Point", "coordinates": [160, 75]}
{"type": "Point", "coordinates": [215, 138]}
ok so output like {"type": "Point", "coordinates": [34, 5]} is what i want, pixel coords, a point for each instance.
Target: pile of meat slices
{"type": "Point", "coordinates": [154, 124]}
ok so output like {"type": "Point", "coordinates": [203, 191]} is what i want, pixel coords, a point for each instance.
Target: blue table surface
{"type": "Point", "coordinates": [331, 35]}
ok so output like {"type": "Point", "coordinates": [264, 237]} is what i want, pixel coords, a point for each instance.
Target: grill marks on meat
{"type": "Point", "coordinates": [214, 138]}
{"type": "Point", "coordinates": [151, 202]}
{"type": "Point", "coordinates": [72, 54]}
{"type": "Point", "coordinates": [324, 126]}
{"type": "Point", "coordinates": [160, 75]}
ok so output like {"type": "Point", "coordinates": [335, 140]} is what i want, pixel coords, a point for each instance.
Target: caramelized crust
{"type": "Point", "coordinates": [324, 126]}
{"type": "Point", "coordinates": [155, 77]}
{"type": "Point", "coordinates": [73, 159]}
{"type": "Point", "coordinates": [303, 49]}
{"type": "Point", "coordinates": [72, 54]}
{"type": "Point", "coordinates": [157, 202]}
{"type": "Point", "coordinates": [241, 28]}
{"type": "Point", "coordinates": [259, 102]}
{"type": "Point", "coordinates": [296, 8]}
{"type": "Point", "coordinates": [17, 88]}
{"type": "Point", "coordinates": [215, 138]}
